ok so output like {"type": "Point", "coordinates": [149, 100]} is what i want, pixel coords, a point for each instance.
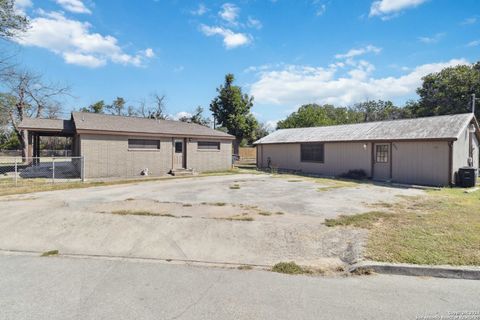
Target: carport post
{"type": "Point", "coordinates": [82, 163]}
{"type": "Point", "coordinates": [16, 171]}
{"type": "Point", "coordinates": [53, 169]}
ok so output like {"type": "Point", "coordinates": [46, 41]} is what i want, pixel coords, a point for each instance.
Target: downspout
{"type": "Point", "coordinates": [391, 161]}
{"type": "Point", "coordinates": [372, 160]}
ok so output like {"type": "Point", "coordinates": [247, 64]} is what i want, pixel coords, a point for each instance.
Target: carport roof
{"type": "Point", "coordinates": [446, 127]}
{"type": "Point", "coordinates": [47, 125]}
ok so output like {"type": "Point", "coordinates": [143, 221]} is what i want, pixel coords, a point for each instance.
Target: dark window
{"type": "Point", "coordinates": [178, 147]}
{"type": "Point", "coordinates": [143, 144]}
{"type": "Point", "coordinates": [208, 145]}
{"type": "Point", "coordinates": [381, 154]}
{"type": "Point", "coordinates": [312, 152]}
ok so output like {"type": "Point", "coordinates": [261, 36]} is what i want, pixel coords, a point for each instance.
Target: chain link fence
{"type": "Point", "coordinates": [31, 171]}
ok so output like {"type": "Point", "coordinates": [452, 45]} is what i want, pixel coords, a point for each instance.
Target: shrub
{"type": "Point", "coordinates": [357, 174]}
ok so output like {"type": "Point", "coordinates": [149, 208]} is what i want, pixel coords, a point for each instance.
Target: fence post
{"type": "Point", "coordinates": [53, 169]}
{"type": "Point", "coordinates": [16, 172]}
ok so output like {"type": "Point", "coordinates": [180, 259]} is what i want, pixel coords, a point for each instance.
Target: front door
{"type": "Point", "coordinates": [382, 161]}
{"type": "Point", "coordinates": [179, 154]}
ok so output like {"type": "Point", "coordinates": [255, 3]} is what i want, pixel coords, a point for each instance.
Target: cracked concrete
{"type": "Point", "coordinates": [80, 221]}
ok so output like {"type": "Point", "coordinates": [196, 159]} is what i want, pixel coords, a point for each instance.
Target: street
{"type": "Point", "coordinates": [33, 287]}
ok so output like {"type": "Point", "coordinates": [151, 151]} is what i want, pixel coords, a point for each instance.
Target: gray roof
{"type": "Point", "coordinates": [431, 128]}
{"type": "Point", "coordinates": [48, 125]}
{"type": "Point", "coordinates": [111, 123]}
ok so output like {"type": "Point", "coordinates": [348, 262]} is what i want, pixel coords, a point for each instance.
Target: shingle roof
{"type": "Point", "coordinates": [438, 127]}
{"type": "Point", "coordinates": [111, 123]}
{"type": "Point", "coordinates": [55, 125]}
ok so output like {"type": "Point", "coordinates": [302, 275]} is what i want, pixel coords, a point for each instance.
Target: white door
{"type": "Point", "coordinates": [179, 154]}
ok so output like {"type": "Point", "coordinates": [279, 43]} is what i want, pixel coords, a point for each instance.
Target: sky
{"type": "Point", "coordinates": [285, 53]}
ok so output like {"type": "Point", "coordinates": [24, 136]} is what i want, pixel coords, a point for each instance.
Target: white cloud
{"type": "Point", "coordinates": [181, 114]}
{"type": "Point", "coordinates": [320, 8]}
{"type": "Point", "coordinates": [149, 53]}
{"type": "Point", "coordinates": [22, 5]}
{"type": "Point", "coordinates": [468, 21]}
{"type": "Point", "coordinates": [75, 6]}
{"type": "Point", "coordinates": [74, 41]}
{"type": "Point", "coordinates": [230, 39]}
{"type": "Point", "coordinates": [387, 8]}
{"type": "Point", "coordinates": [200, 11]}
{"type": "Point", "coordinates": [474, 43]}
{"type": "Point", "coordinates": [433, 39]}
{"type": "Point", "coordinates": [296, 85]}
{"type": "Point", "coordinates": [229, 13]}
{"type": "Point", "coordinates": [358, 52]}
{"type": "Point", "coordinates": [254, 23]}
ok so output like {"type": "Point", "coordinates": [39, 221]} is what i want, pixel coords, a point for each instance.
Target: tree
{"type": "Point", "coordinates": [157, 111]}
{"type": "Point", "coordinates": [231, 109]}
{"type": "Point", "coordinates": [379, 110]}
{"type": "Point", "coordinates": [28, 96]}
{"type": "Point", "coordinates": [12, 23]}
{"type": "Point", "coordinates": [313, 115]}
{"type": "Point", "coordinates": [197, 117]}
{"type": "Point", "coordinates": [448, 91]}
{"type": "Point", "coordinates": [117, 107]}
{"type": "Point", "coordinates": [97, 107]}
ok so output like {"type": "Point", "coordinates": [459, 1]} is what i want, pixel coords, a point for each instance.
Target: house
{"type": "Point", "coordinates": [118, 146]}
{"type": "Point", "coordinates": [424, 151]}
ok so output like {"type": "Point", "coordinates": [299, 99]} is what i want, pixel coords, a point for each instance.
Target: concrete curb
{"type": "Point", "coordinates": [452, 272]}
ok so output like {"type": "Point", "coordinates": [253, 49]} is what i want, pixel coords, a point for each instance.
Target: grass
{"type": "Point", "coordinates": [235, 187]}
{"type": "Point", "coordinates": [241, 217]}
{"type": "Point", "coordinates": [187, 205]}
{"type": "Point", "coordinates": [245, 267]}
{"type": "Point", "coordinates": [265, 213]}
{"type": "Point", "coordinates": [289, 268]}
{"type": "Point", "coordinates": [279, 213]}
{"type": "Point", "coordinates": [142, 213]}
{"type": "Point", "coordinates": [49, 253]}
{"type": "Point", "coordinates": [442, 227]}
{"type": "Point", "coordinates": [364, 220]}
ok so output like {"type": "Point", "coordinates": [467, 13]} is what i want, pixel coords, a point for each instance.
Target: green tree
{"type": "Point", "coordinates": [232, 109]}
{"type": "Point", "coordinates": [314, 115]}
{"type": "Point", "coordinates": [97, 107]}
{"type": "Point", "coordinates": [12, 23]}
{"type": "Point", "coordinates": [448, 91]}
{"type": "Point", "coordinates": [197, 117]}
{"type": "Point", "coordinates": [379, 110]}
{"type": "Point", "coordinates": [117, 107]}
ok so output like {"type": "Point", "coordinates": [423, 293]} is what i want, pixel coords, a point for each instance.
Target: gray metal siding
{"type": "Point", "coordinates": [339, 158]}
{"type": "Point", "coordinates": [423, 163]}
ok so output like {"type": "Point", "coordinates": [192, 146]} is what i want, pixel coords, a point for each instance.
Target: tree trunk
{"type": "Point", "coordinates": [236, 146]}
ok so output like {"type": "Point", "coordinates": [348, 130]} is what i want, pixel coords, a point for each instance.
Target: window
{"type": "Point", "coordinates": [143, 144]}
{"type": "Point", "coordinates": [312, 152]}
{"type": "Point", "coordinates": [178, 147]}
{"type": "Point", "coordinates": [381, 153]}
{"type": "Point", "coordinates": [208, 145]}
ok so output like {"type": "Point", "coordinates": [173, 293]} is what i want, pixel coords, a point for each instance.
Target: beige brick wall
{"type": "Point", "coordinates": [108, 156]}
{"type": "Point", "coordinates": [209, 160]}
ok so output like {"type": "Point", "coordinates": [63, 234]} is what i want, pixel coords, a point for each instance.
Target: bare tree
{"type": "Point", "coordinates": [29, 96]}
{"type": "Point", "coordinates": [156, 110]}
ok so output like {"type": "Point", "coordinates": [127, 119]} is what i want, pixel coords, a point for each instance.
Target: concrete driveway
{"type": "Point", "coordinates": [239, 219]}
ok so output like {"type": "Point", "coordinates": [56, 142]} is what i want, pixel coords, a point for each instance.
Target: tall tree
{"type": "Point", "coordinates": [313, 115]}
{"type": "Point", "coordinates": [232, 109]}
{"type": "Point", "coordinates": [12, 23]}
{"type": "Point", "coordinates": [448, 91]}
{"type": "Point", "coordinates": [155, 110]}
{"type": "Point", "coordinates": [379, 110]}
{"type": "Point", "coordinates": [29, 96]}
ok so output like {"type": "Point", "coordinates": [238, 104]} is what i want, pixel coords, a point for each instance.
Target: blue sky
{"type": "Point", "coordinates": [283, 52]}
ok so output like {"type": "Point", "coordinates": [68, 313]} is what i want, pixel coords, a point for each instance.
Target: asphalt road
{"type": "Point", "coordinates": [69, 288]}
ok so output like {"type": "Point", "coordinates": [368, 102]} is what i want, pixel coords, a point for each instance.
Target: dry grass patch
{"type": "Point", "coordinates": [235, 187]}
{"type": "Point", "coordinates": [442, 227]}
{"type": "Point", "coordinates": [265, 213]}
{"type": "Point", "coordinates": [50, 253]}
{"type": "Point", "coordinates": [290, 268]}
{"type": "Point", "coordinates": [142, 213]}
